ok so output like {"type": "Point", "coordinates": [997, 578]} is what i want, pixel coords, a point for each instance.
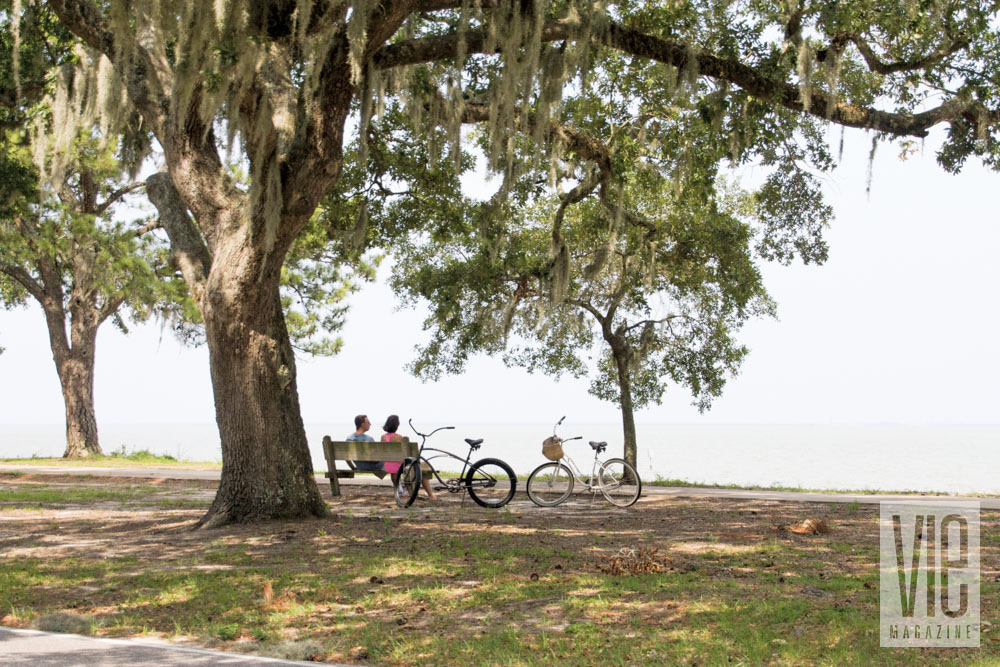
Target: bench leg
{"type": "Point", "coordinates": [334, 482]}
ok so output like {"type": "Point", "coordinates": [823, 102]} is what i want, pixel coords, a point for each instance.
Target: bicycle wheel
{"type": "Point", "coordinates": [491, 482]}
{"type": "Point", "coordinates": [550, 484]}
{"type": "Point", "coordinates": [408, 483]}
{"type": "Point", "coordinates": [619, 482]}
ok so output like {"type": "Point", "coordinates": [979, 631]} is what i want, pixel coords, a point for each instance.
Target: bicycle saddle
{"type": "Point", "coordinates": [474, 443]}
{"type": "Point", "coordinates": [599, 446]}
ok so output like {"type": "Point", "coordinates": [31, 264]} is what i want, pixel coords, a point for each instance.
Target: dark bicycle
{"type": "Point", "coordinates": [490, 482]}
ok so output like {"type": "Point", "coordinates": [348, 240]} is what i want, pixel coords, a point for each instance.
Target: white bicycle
{"type": "Point", "coordinates": [552, 483]}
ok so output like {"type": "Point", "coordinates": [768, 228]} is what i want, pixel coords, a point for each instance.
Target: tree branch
{"type": "Point", "coordinates": [585, 146]}
{"type": "Point", "coordinates": [85, 20]}
{"type": "Point", "coordinates": [876, 65]}
{"type": "Point", "coordinates": [24, 279]}
{"type": "Point", "coordinates": [598, 315]}
{"type": "Point", "coordinates": [109, 309]}
{"type": "Point", "coordinates": [678, 54]}
{"type": "Point", "coordinates": [186, 243]}
{"type": "Point", "coordinates": [662, 320]}
{"type": "Point", "coordinates": [115, 196]}
{"type": "Point", "coordinates": [148, 227]}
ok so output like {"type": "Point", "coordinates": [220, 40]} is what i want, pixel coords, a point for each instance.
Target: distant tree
{"type": "Point", "coordinates": [65, 249]}
{"type": "Point", "coordinates": [665, 296]}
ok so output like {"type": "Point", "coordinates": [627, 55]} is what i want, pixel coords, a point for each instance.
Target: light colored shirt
{"type": "Point", "coordinates": [356, 437]}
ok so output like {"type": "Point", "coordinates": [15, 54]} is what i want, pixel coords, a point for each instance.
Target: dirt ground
{"type": "Point", "coordinates": [145, 527]}
{"type": "Point", "coordinates": [751, 544]}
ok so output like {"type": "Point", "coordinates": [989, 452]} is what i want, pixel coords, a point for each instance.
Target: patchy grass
{"type": "Point", "coordinates": [445, 583]}
{"type": "Point", "coordinates": [25, 491]}
{"type": "Point", "coordinates": [142, 458]}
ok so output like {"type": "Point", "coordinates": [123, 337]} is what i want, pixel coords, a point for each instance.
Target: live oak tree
{"type": "Point", "coordinates": [65, 249]}
{"type": "Point", "coordinates": [278, 81]}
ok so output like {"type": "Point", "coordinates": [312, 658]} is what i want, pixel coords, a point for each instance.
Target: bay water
{"type": "Point", "coordinates": [947, 458]}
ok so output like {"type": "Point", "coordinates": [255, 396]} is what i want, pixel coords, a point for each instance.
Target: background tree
{"type": "Point", "coordinates": [65, 250]}
{"type": "Point", "coordinates": [285, 76]}
{"type": "Point", "coordinates": [663, 274]}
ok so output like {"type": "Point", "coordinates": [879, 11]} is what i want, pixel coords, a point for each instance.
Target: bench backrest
{"type": "Point", "coordinates": [353, 450]}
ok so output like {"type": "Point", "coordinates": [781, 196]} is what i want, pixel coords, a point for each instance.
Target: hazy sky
{"type": "Point", "coordinates": [900, 326]}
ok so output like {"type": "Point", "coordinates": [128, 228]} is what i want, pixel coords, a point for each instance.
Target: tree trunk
{"type": "Point", "coordinates": [75, 366]}
{"type": "Point", "coordinates": [625, 401]}
{"type": "Point", "coordinates": [267, 470]}
{"type": "Point", "coordinates": [76, 374]}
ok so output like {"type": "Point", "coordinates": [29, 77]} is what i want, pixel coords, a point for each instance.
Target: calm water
{"type": "Point", "coordinates": [941, 458]}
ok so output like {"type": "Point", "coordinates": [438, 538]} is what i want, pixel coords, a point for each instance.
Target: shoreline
{"type": "Point", "coordinates": [661, 488]}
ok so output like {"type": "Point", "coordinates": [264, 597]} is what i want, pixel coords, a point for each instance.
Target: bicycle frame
{"type": "Point", "coordinates": [578, 474]}
{"type": "Point", "coordinates": [572, 467]}
{"type": "Point", "coordinates": [452, 485]}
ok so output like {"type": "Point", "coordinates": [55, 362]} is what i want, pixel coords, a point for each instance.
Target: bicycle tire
{"type": "Point", "coordinates": [619, 482]}
{"type": "Point", "coordinates": [408, 483]}
{"type": "Point", "coordinates": [485, 480]}
{"type": "Point", "coordinates": [553, 490]}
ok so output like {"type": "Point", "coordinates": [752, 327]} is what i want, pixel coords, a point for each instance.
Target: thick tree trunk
{"type": "Point", "coordinates": [267, 470]}
{"type": "Point", "coordinates": [625, 401]}
{"type": "Point", "coordinates": [76, 374]}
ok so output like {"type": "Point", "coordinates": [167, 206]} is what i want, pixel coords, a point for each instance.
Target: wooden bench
{"type": "Point", "coordinates": [358, 450]}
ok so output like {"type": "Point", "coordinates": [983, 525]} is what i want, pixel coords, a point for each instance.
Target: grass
{"type": "Point", "coordinates": [24, 492]}
{"type": "Point", "coordinates": [76, 495]}
{"type": "Point", "coordinates": [457, 584]}
{"type": "Point", "coordinates": [142, 458]}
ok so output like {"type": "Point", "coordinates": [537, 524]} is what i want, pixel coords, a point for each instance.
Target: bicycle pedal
{"type": "Point", "coordinates": [440, 488]}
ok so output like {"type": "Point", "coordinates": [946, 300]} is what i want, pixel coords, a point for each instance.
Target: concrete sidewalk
{"type": "Point", "coordinates": [985, 502]}
{"type": "Point", "coordinates": [31, 647]}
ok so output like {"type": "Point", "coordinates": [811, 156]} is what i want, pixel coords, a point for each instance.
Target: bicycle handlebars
{"type": "Point", "coordinates": [427, 435]}
{"type": "Point", "coordinates": [579, 437]}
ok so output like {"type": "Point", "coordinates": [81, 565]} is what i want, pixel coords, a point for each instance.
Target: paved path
{"type": "Point", "coordinates": [41, 649]}
{"type": "Point", "coordinates": [647, 491]}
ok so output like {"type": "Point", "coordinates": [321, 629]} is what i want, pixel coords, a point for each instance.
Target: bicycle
{"type": "Point", "coordinates": [484, 480]}
{"type": "Point", "coordinates": [552, 483]}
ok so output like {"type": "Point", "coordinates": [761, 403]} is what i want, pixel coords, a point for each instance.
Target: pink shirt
{"type": "Point", "coordinates": [391, 467]}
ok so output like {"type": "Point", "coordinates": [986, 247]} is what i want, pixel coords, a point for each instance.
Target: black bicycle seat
{"type": "Point", "coordinates": [474, 443]}
{"type": "Point", "coordinates": [599, 446]}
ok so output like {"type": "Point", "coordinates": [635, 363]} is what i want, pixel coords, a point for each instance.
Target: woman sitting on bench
{"type": "Point", "coordinates": [392, 467]}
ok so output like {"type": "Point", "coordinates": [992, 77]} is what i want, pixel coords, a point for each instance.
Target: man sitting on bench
{"type": "Point", "coordinates": [361, 425]}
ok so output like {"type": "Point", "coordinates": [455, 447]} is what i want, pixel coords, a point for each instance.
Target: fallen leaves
{"type": "Point", "coordinates": [810, 527]}
{"type": "Point", "coordinates": [634, 561]}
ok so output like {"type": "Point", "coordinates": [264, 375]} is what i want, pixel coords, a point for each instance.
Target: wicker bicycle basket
{"type": "Point", "coordinates": [552, 448]}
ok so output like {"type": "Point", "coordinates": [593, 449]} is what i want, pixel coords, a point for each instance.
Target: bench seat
{"type": "Point", "coordinates": [358, 450]}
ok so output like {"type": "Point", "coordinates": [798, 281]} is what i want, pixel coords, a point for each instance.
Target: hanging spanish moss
{"type": "Point", "coordinates": [871, 165]}
{"type": "Point", "coordinates": [832, 64]}
{"type": "Point", "coordinates": [15, 28]}
{"type": "Point", "coordinates": [804, 68]}
{"type": "Point", "coordinates": [87, 96]}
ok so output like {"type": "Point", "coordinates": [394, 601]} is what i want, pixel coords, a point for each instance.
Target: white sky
{"type": "Point", "coordinates": [899, 326]}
